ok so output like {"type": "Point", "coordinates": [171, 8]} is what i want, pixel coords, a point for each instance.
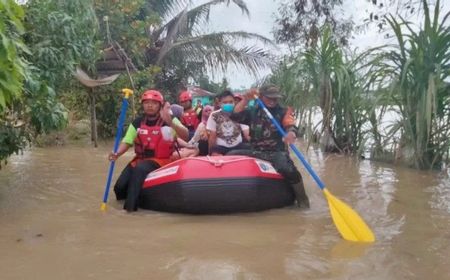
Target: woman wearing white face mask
{"type": "Point", "coordinates": [224, 133]}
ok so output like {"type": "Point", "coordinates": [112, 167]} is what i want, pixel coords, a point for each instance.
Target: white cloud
{"type": "Point", "coordinates": [261, 21]}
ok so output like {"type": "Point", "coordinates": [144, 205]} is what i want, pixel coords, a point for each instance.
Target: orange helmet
{"type": "Point", "coordinates": [185, 96]}
{"type": "Point", "coordinates": [152, 95]}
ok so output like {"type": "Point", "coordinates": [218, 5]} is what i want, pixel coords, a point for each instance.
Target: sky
{"type": "Point", "coordinates": [262, 21]}
{"type": "Point", "coordinates": [230, 18]}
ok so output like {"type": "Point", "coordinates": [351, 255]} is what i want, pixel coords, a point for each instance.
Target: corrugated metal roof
{"type": "Point", "coordinates": [113, 61]}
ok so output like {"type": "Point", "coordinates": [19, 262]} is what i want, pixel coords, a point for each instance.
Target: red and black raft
{"type": "Point", "coordinates": [215, 185]}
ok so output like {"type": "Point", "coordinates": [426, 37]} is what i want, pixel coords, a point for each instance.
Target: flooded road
{"type": "Point", "coordinates": [52, 226]}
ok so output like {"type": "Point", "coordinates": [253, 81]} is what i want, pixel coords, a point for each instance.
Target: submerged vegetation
{"type": "Point", "coordinates": [354, 91]}
{"type": "Point", "coordinates": [43, 41]}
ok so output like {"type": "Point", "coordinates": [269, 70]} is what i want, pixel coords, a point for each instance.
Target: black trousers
{"type": "Point", "coordinates": [129, 183]}
{"type": "Point", "coordinates": [284, 165]}
{"type": "Point", "coordinates": [203, 147]}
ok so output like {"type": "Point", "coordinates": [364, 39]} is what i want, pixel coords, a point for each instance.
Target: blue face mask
{"type": "Point", "coordinates": [228, 108]}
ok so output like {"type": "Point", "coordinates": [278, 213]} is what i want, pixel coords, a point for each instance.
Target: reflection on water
{"type": "Point", "coordinates": [52, 227]}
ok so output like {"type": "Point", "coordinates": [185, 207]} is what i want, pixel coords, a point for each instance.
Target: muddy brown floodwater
{"type": "Point", "coordinates": [52, 226]}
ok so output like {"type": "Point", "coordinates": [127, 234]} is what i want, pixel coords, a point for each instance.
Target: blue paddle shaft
{"type": "Point", "coordinates": [293, 147]}
{"type": "Point", "coordinates": [123, 111]}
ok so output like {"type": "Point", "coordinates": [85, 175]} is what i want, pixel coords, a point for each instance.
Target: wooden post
{"type": "Point", "coordinates": [133, 108]}
{"type": "Point", "coordinates": [94, 134]}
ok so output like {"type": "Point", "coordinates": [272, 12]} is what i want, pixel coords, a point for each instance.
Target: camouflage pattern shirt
{"type": "Point", "coordinates": [264, 135]}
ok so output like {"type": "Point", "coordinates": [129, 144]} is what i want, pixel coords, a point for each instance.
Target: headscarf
{"type": "Point", "coordinates": [207, 109]}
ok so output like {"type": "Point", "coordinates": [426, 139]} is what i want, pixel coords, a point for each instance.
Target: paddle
{"type": "Point", "coordinates": [349, 224]}
{"type": "Point", "coordinates": [123, 110]}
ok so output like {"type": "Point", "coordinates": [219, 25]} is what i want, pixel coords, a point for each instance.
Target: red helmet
{"type": "Point", "coordinates": [152, 95]}
{"type": "Point", "coordinates": [185, 96]}
{"type": "Point", "coordinates": [237, 96]}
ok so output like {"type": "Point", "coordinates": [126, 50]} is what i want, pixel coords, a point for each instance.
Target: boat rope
{"type": "Point", "coordinates": [220, 162]}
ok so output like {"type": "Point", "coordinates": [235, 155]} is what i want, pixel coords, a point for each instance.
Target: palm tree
{"type": "Point", "coordinates": [180, 43]}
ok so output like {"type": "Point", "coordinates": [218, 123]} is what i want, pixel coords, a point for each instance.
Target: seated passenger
{"type": "Point", "coordinates": [224, 134]}
{"type": "Point", "coordinates": [191, 116]}
{"type": "Point", "coordinates": [245, 128]}
{"type": "Point", "coordinates": [198, 145]}
{"type": "Point", "coordinates": [152, 137]}
{"type": "Point", "coordinates": [200, 138]}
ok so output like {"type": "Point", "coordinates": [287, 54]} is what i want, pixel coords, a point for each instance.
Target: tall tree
{"type": "Point", "coordinates": [58, 35]}
{"type": "Point", "coordinates": [379, 9]}
{"type": "Point", "coordinates": [300, 21]}
{"type": "Point", "coordinates": [61, 35]}
{"type": "Point", "coordinates": [128, 23]}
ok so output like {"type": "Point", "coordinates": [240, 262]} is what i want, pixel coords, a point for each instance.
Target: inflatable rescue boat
{"type": "Point", "coordinates": [215, 185]}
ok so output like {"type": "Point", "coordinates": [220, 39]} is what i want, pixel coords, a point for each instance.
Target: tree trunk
{"type": "Point", "coordinates": [327, 142]}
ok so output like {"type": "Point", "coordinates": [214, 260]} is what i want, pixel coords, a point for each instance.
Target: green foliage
{"type": "Point", "coordinates": [127, 22]}
{"type": "Point", "coordinates": [45, 113]}
{"type": "Point", "coordinates": [109, 99]}
{"type": "Point", "coordinates": [75, 100]}
{"type": "Point", "coordinates": [60, 35]}
{"type": "Point", "coordinates": [13, 139]}
{"type": "Point", "coordinates": [417, 70]}
{"type": "Point", "coordinates": [12, 66]}
{"type": "Point", "coordinates": [323, 76]}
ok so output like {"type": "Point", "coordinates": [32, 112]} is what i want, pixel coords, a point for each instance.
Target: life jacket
{"type": "Point", "coordinates": [190, 119]}
{"type": "Point", "coordinates": [149, 143]}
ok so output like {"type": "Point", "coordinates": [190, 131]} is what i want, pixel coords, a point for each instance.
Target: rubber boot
{"type": "Point", "coordinates": [300, 195]}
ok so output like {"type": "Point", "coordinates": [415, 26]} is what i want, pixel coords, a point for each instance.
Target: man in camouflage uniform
{"type": "Point", "coordinates": [265, 140]}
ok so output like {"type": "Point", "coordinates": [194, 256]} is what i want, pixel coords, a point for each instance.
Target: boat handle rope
{"type": "Point", "coordinates": [218, 163]}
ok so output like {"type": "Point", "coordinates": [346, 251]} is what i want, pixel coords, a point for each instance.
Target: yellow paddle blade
{"type": "Point", "coordinates": [349, 224]}
{"type": "Point", "coordinates": [103, 207]}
